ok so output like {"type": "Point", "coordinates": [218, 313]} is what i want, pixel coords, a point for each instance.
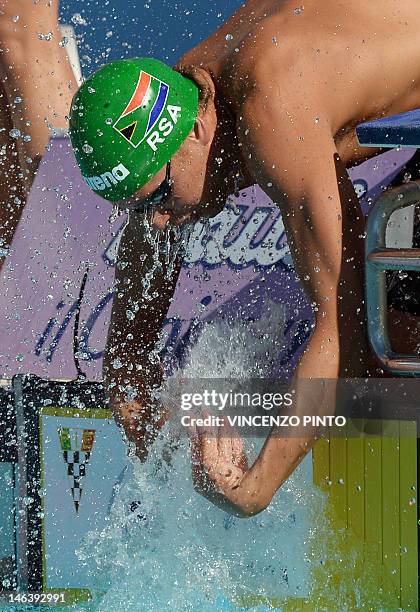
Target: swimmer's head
{"type": "Point", "coordinates": [127, 121]}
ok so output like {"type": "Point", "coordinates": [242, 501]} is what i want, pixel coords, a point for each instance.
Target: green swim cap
{"type": "Point", "coordinates": [126, 122]}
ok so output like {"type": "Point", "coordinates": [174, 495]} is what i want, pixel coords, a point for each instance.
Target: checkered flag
{"type": "Point", "coordinates": [76, 445]}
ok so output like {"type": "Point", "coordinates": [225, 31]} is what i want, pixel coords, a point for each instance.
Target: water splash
{"type": "Point", "coordinates": [166, 247]}
{"type": "Point", "coordinates": [168, 548]}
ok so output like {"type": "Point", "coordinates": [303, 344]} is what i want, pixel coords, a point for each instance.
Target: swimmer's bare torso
{"type": "Point", "coordinates": [295, 83]}
{"type": "Point", "coordinates": [360, 61]}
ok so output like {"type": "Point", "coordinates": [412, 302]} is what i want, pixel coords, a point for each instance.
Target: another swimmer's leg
{"type": "Point", "coordinates": [11, 187]}
{"type": "Point", "coordinates": [38, 78]}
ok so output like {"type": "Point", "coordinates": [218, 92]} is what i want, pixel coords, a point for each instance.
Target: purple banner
{"type": "Point", "coordinates": [238, 267]}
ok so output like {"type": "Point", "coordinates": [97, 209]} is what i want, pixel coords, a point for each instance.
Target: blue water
{"type": "Point", "coordinates": [168, 548]}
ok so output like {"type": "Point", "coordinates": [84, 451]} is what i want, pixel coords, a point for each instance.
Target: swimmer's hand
{"type": "Point", "coordinates": [220, 470]}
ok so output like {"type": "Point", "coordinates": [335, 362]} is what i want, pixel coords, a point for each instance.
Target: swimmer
{"type": "Point", "coordinates": [36, 88]}
{"type": "Point", "coordinates": [272, 97]}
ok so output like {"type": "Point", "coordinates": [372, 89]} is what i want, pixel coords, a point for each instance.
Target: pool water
{"type": "Point", "coordinates": [165, 547]}
{"type": "Point", "coordinates": [168, 548]}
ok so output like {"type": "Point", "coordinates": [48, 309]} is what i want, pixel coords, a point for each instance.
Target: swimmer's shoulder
{"type": "Point", "coordinates": [271, 60]}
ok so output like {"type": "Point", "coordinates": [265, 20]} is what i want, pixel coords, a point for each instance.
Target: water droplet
{"type": "Point", "coordinates": [274, 40]}
{"type": "Point", "coordinates": [19, 357]}
{"type": "Point", "coordinates": [108, 121]}
{"type": "Point", "coordinates": [316, 119]}
{"type": "Point", "coordinates": [298, 10]}
{"type": "Point", "coordinates": [17, 100]}
{"type": "Point", "coordinates": [14, 133]}
{"type": "Point", "coordinates": [130, 393]}
{"type": "Point", "coordinates": [91, 90]}
{"type": "Point", "coordinates": [108, 34]}
{"type": "Point", "coordinates": [358, 488]}
{"type": "Point", "coordinates": [87, 148]}
{"type": "Point", "coordinates": [114, 215]}
{"type": "Point", "coordinates": [27, 138]}
{"type": "Point", "coordinates": [229, 37]}
{"type": "Point", "coordinates": [47, 36]}
{"type": "Point", "coordinates": [317, 269]}
{"type": "Point", "coordinates": [64, 41]}
{"type": "Point", "coordinates": [15, 18]}
{"type": "Point", "coordinates": [117, 364]}
{"type": "Point", "coordinates": [130, 315]}
{"type": "Point", "coordinates": [341, 481]}
{"type": "Point", "coordinates": [78, 19]}
{"type": "Point", "coordinates": [412, 501]}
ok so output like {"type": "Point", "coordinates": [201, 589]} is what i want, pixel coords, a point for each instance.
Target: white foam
{"type": "Point", "coordinates": [177, 551]}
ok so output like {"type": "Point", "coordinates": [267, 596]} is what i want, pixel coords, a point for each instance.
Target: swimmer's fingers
{"type": "Point", "coordinates": [209, 449]}
{"type": "Point", "coordinates": [227, 437]}
{"type": "Point", "coordinates": [217, 472]}
{"type": "Point", "coordinates": [231, 446]}
{"type": "Point", "coordinates": [238, 452]}
{"type": "Point", "coordinates": [224, 442]}
{"type": "Point", "coordinates": [200, 457]}
{"type": "Point", "coordinates": [230, 467]}
{"type": "Point", "coordinates": [203, 448]}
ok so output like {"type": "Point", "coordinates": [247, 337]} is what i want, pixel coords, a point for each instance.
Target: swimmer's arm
{"type": "Point", "coordinates": [294, 159]}
{"type": "Point", "coordinates": [131, 356]}
{"type": "Point", "coordinates": [294, 156]}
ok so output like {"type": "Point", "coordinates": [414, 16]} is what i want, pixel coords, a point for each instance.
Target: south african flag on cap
{"type": "Point", "coordinates": [127, 121]}
{"type": "Point", "coordinates": [143, 110]}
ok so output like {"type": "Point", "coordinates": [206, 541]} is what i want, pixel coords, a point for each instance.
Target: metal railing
{"type": "Point", "coordinates": [379, 259]}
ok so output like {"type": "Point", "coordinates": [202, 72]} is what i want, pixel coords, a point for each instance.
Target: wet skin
{"type": "Point", "coordinates": [39, 74]}
{"type": "Point", "coordinates": [288, 91]}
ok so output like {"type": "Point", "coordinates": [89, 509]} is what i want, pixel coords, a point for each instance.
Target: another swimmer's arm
{"type": "Point", "coordinates": [127, 367]}
{"type": "Point", "coordinates": [294, 159]}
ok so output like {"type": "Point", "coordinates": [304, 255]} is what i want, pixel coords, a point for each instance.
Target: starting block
{"type": "Point", "coordinates": [400, 131]}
